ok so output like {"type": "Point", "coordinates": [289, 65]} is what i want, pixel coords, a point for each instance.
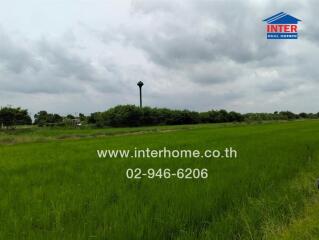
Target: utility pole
{"type": "Point", "coordinates": [140, 85]}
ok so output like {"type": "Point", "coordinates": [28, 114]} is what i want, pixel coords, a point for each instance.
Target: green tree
{"type": "Point", "coordinates": [43, 118]}
{"type": "Point", "coordinates": [10, 117]}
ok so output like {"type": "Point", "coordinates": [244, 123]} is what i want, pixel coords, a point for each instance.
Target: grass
{"type": "Point", "coordinates": [36, 134]}
{"type": "Point", "coordinates": [53, 186]}
{"type": "Point", "coordinates": [305, 227]}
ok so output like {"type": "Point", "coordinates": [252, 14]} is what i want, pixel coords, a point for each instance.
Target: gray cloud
{"type": "Point", "coordinates": [13, 57]}
{"type": "Point", "coordinates": [64, 64]}
{"type": "Point", "coordinates": [50, 67]}
{"type": "Point", "coordinates": [201, 31]}
{"type": "Point", "coordinates": [190, 54]}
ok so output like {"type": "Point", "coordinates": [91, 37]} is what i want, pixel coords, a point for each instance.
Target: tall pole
{"type": "Point", "coordinates": [140, 97]}
{"type": "Point", "coordinates": [140, 85]}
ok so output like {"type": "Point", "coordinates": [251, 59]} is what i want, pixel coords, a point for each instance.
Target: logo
{"type": "Point", "coordinates": [282, 26]}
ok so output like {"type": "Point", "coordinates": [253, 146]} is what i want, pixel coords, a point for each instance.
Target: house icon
{"type": "Point", "coordinates": [282, 18]}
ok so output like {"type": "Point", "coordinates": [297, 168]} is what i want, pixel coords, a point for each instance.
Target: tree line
{"type": "Point", "coordinates": [133, 116]}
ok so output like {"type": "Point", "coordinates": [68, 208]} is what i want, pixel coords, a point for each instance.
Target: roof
{"type": "Point", "coordinates": [282, 18]}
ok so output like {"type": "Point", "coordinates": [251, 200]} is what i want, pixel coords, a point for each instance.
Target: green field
{"type": "Point", "coordinates": [53, 185]}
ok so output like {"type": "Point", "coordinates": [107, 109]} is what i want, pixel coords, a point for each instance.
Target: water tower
{"type": "Point", "coordinates": [140, 85]}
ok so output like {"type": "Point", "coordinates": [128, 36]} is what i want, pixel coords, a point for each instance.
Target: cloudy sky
{"type": "Point", "coordinates": [87, 55]}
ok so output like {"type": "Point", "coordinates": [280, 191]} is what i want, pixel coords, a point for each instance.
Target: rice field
{"type": "Point", "coordinates": [54, 186]}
